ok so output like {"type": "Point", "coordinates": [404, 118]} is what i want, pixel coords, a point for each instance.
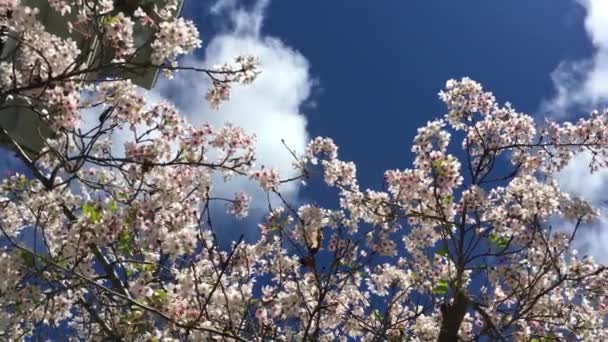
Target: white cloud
{"type": "Point", "coordinates": [576, 179]}
{"type": "Point", "coordinates": [222, 5]}
{"type": "Point", "coordinates": [581, 85]}
{"type": "Point", "coordinates": [269, 108]}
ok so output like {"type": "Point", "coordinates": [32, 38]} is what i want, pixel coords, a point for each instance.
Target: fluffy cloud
{"type": "Point", "coordinates": [577, 180]}
{"type": "Point", "coordinates": [581, 85]}
{"type": "Point", "coordinates": [270, 107]}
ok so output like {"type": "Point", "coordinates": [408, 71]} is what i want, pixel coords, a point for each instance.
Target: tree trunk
{"type": "Point", "coordinates": [452, 316]}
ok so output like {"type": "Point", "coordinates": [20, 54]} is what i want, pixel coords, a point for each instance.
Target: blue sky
{"type": "Point", "coordinates": [372, 71]}
{"type": "Point", "coordinates": [379, 65]}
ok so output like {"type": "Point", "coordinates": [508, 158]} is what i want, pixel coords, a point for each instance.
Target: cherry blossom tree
{"type": "Point", "coordinates": [117, 243]}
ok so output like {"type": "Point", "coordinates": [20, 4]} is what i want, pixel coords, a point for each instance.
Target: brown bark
{"type": "Point", "coordinates": [452, 316]}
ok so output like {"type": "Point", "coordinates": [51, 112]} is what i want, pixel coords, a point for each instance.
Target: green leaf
{"type": "Point", "coordinates": [124, 241]}
{"type": "Point", "coordinates": [190, 158]}
{"type": "Point", "coordinates": [274, 227]}
{"type": "Point", "coordinates": [22, 183]}
{"type": "Point", "coordinates": [160, 295]}
{"type": "Point", "coordinates": [28, 258]}
{"type": "Point", "coordinates": [61, 262]}
{"type": "Point", "coordinates": [18, 308]}
{"type": "Point", "coordinates": [346, 264]}
{"type": "Point", "coordinates": [394, 338]}
{"type": "Point", "coordinates": [442, 287]}
{"type": "Point", "coordinates": [499, 241]}
{"type": "Point", "coordinates": [148, 268]}
{"type": "Point", "coordinates": [443, 251]}
{"type": "Point", "coordinates": [53, 261]}
{"type": "Point", "coordinates": [109, 20]}
{"type": "Point", "coordinates": [377, 315]}
{"type": "Point", "coordinates": [131, 217]}
{"type": "Point", "coordinates": [113, 206]}
{"type": "Point", "coordinates": [91, 212]}
{"type": "Point", "coordinates": [436, 164]}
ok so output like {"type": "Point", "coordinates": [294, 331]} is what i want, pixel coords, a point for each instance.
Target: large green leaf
{"type": "Point", "coordinates": [441, 288]}
{"type": "Point", "coordinates": [92, 212]}
{"type": "Point", "coordinates": [443, 251]}
{"type": "Point", "coordinates": [499, 241]}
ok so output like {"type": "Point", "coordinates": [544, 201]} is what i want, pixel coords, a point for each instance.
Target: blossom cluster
{"type": "Point", "coordinates": [244, 70]}
{"type": "Point", "coordinates": [174, 38]}
{"type": "Point", "coordinates": [119, 33]}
